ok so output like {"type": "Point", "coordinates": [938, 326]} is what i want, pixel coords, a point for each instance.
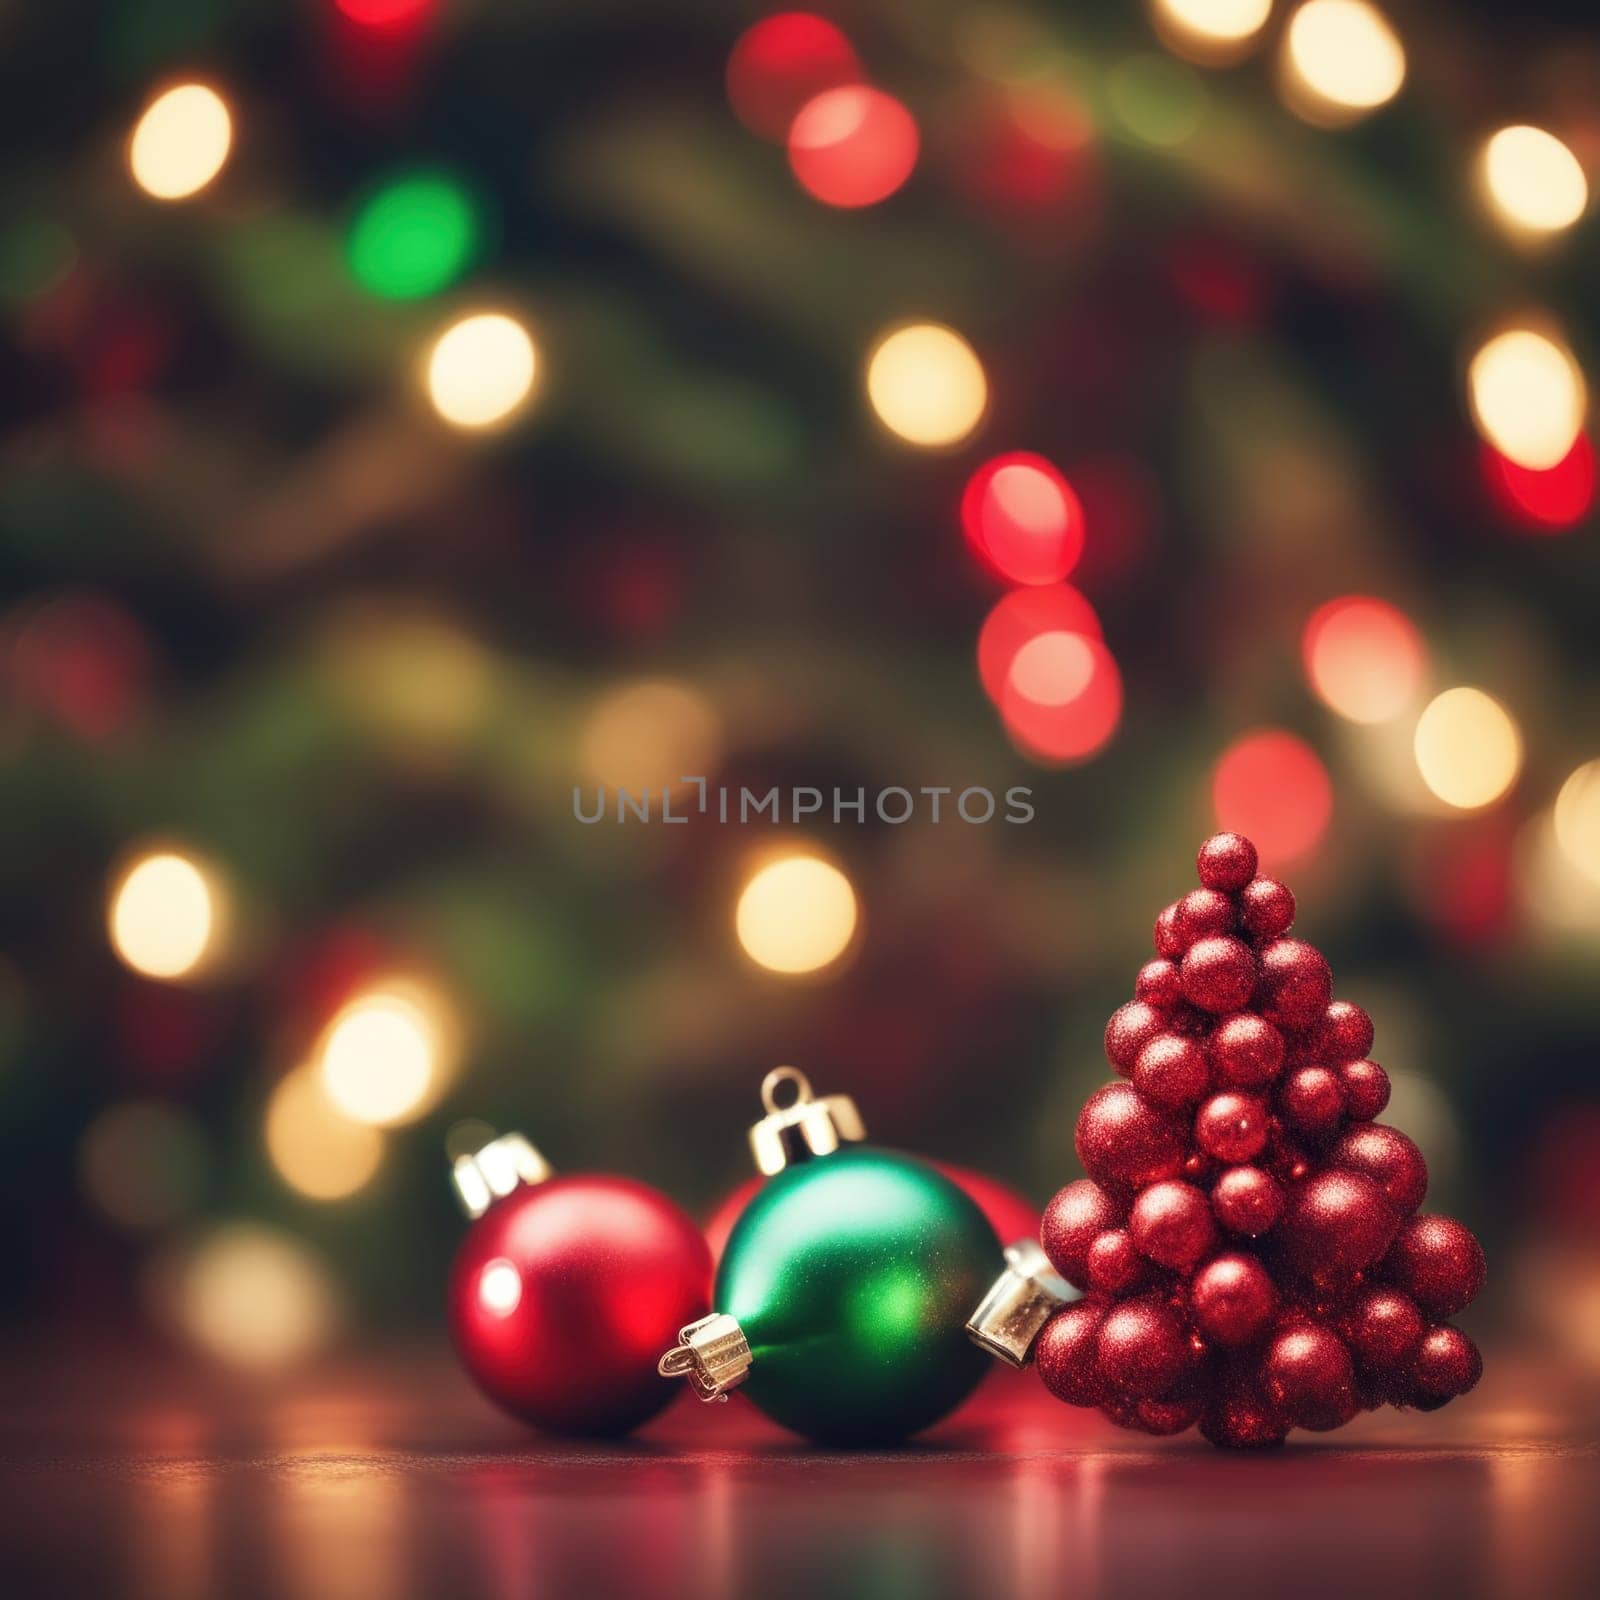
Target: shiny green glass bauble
{"type": "Point", "coordinates": [852, 1277]}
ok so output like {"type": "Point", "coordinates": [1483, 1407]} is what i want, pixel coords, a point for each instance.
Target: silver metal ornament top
{"type": "Point", "coordinates": [713, 1354]}
{"type": "Point", "coordinates": [494, 1170]}
{"type": "Point", "coordinates": [801, 1128]}
{"type": "Point", "coordinates": [1019, 1303]}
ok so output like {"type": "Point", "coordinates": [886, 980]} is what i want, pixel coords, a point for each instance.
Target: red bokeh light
{"type": "Point", "coordinates": [1022, 615]}
{"type": "Point", "coordinates": [1063, 697]}
{"type": "Point", "coordinates": [782, 62]}
{"type": "Point", "coordinates": [1274, 789]}
{"type": "Point", "coordinates": [852, 146]}
{"type": "Point", "coordinates": [1551, 501]}
{"type": "Point", "coordinates": [1364, 657]}
{"type": "Point", "coordinates": [1022, 518]}
{"type": "Point", "coordinates": [384, 13]}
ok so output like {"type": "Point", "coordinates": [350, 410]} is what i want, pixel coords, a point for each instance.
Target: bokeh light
{"type": "Point", "coordinates": [481, 370]}
{"type": "Point", "coordinates": [1528, 397]}
{"type": "Point", "coordinates": [1467, 748]}
{"type": "Point", "coordinates": [414, 236]}
{"type": "Point", "coordinates": [317, 1149]}
{"type": "Point", "coordinates": [650, 734]}
{"type": "Point", "coordinates": [1577, 820]}
{"type": "Point", "coordinates": [1062, 698]}
{"type": "Point", "coordinates": [926, 384]}
{"type": "Point", "coordinates": [164, 914]}
{"type": "Point", "coordinates": [1548, 501]}
{"type": "Point", "coordinates": [1533, 182]}
{"type": "Point", "coordinates": [180, 142]}
{"type": "Point", "coordinates": [143, 1163]}
{"type": "Point", "coordinates": [1274, 789]}
{"type": "Point", "coordinates": [1364, 658]}
{"type": "Point", "coordinates": [796, 914]}
{"type": "Point", "coordinates": [1021, 517]}
{"type": "Point", "coordinates": [385, 13]}
{"type": "Point", "coordinates": [386, 1056]}
{"type": "Point", "coordinates": [1341, 60]}
{"type": "Point", "coordinates": [852, 146]}
{"type": "Point", "coordinates": [1022, 615]}
{"type": "Point", "coordinates": [255, 1298]}
{"type": "Point", "coordinates": [780, 64]}
{"type": "Point", "coordinates": [1212, 32]}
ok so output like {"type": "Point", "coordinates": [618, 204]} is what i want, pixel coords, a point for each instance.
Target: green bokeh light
{"type": "Point", "coordinates": [414, 236]}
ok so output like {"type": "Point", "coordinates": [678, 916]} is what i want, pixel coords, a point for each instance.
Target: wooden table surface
{"type": "Point", "coordinates": [129, 1476]}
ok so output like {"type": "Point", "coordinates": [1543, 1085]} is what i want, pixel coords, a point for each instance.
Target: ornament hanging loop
{"type": "Point", "coordinates": [804, 1127]}
{"type": "Point", "coordinates": [775, 1080]}
{"type": "Point", "coordinates": [713, 1354]}
{"type": "Point", "coordinates": [1019, 1303]}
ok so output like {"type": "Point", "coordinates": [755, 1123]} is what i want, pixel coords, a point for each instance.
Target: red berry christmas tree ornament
{"type": "Point", "coordinates": [1248, 1237]}
{"type": "Point", "coordinates": [565, 1289]}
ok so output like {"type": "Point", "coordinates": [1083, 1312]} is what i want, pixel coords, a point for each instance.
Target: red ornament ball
{"type": "Point", "coordinates": [1141, 1347]}
{"type": "Point", "coordinates": [1345, 1034]}
{"type": "Point", "coordinates": [1366, 1089]}
{"type": "Point", "coordinates": [1226, 861]}
{"type": "Point", "coordinates": [1232, 1299]}
{"type": "Point", "coordinates": [1336, 1222]}
{"type": "Point", "coordinates": [1447, 1364]}
{"type": "Point", "coordinates": [1310, 1378]}
{"type": "Point", "coordinates": [1072, 1221]}
{"type": "Point", "coordinates": [1218, 973]}
{"type": "Point", "coordinates": [1202, 913]}
{"type": "Point", "coordinates": [1311, 1102]}
{"type": "Point", "coordinates": [1247, 1200]}
{"type": "Point", "coordinates": [1232, 1127]}
{"type": "Point", "coordinates": [565, 1293]}
{"type": "Point", "coordinates": [1389, 1158]}
{"type": "Point", "coordinates": [1383, 1329]}
{"type": "Point", "coordinates": [1246, 1050]}
{"type": "Point", "coordinates": [1169, 934]}
{"type": "Point", "coordinates": [1171, 1223]}
{"type": "Point", "coordinates": [1113, 1263]}
{"type": "Point", "coordinates": [1241, 1418]}
{"type": "Point", "coordinates": [1163, 1418]}
{"type": "Point", "coordinates": [1266, 909]}
{"type": "Point", "coordinates": [1438, 1263]}
{"type": "Point", "coordinates": [1171, 1071]}
{"type": "Point", "coordinates": [1130, 1029]}
{"type": "Point", "coordinates": [1296, 984]}
{"type": "Point", "coordinates": [1157, 984]}
{"type": "Point", "coordinates": [1124, 1142]}
{"type": "Point", "coordinates": [1067, 1356]}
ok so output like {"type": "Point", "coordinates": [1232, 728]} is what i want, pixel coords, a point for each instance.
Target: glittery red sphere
{"type": "Point", "coordinates": [1447, 1364]}
{"type": "Point", "coordinates": [1067, 1354]}
{"type": "Point", "coordinates": [1246, 1051]}
{"type": "Point", "coordinates": [1157, 984]}
{"type": "Point", "coordinates": [1389, 1158]}
{"type": "Point", "coordinates": [1162, 1418]}
{"type": "Point", "coordinates": [565, 1293]}
{"type": "Point", "coordinates": [1296, 984]}
{"type": "Point", "coordinates": [1171, 1071]}
{"type": "Point", "coordinates": [1366, 1089]}
{"type": "Point", "coordinates": [1344, 1034]}
{"type": "Point", "coordinates": [1309, 1376]}
{"type": "Point", "coordinates": [1203, 912]}
{"type": "Point", "coordinates": [1072, 1221]}
{"type": "Point", "coordinates": [1113, 1263]}
{"type": "Point", "coordinates": [1383, 1328]}
{"type": "Point", "coordinates": [1124, 1142]}
{"type": "Point", "coordinates": [1171, 1223]}
{"type": "Point", "coordinates": [1438, 1263]}
{"type": "Point", "coordinates": [1130, 1029]}
{"type": "Point", "coordinates": [1232, 1299]}
{"type": "Point", "coordinates": [1142, 1348]}
{"type": "Point", "coordinates": [1169, 938]}
{"type": "Point", "coordinates": [1239, 1417]}
{"type": "Point", "coordinates": [1311, 1101]}
{"type": "Point", "coordinates": [1231, 1126]}
{"type": "Point", "coordinates": [1247, 1200]}
{"type": "Point", "coordinates": [1336, 1222]}
{"type": "Point", "coordinates": [1266, 909]}
{"type": "Point", "coordinates": [1226, 861]}
{"type": "Point", "coordinates": [1218, 973]}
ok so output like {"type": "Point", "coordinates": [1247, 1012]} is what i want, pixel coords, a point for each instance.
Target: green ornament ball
{"type": "Point", "coordinates": [852, 1277]}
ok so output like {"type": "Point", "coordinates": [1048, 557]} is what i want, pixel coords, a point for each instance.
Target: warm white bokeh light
{"type": "Point", "coordinates": [500, 1287]}
{"type": "Point", "coordinates": [163, 916]}
{"type": "Point", "coordinates": [1533, 181]}
{"type": "Point", "coordinates": [180, 143]}
{"type": "Point", "coordinates": [926, 385]}
{"type": "Point", "coordinates": [481, 370]}
{"type": "Point", "coordinates": [318, 1149]}
{"type": "Point", "coordinates": [1341, 60]}
{"type": "Point", "coordinates": [1577, 820]}
{"type": "Point", "coordinates": [384, 1057]}
{"type": "Point", "coordinates": [649, 734]}
{"type": "Point", "coordinates": [1212, 32]}
{"type": "Point", "coordinates": [1467, 747]}
{"type": "Point", "coordinates": [1528, 397]}
{"type": "Point", "coordinates": [796, 915]}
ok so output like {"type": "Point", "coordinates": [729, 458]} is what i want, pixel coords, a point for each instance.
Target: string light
{"type": "Point", "coordinates": [481, 370]}
{"type": "Point", "coordinates": [796, 915]}
{"type": "Point", "coordinates": [1577, 820]}
{"type": "Point", "coordinates": [781, 63]}
{"type": "Point", "coordinates": [1062, 699]}
{"type": "Point", "coordinates": [1341, 61]}
{"type": "Point", "coordinates": [385, 1056]}
{"type": "Point", "coordinates": [1467, 748]}
{"type": "Point", "coordinates": [852, 146]}
{"type": "Point", "coordinates": [1364, 658]}
{"type": "Point", "coordinates": [1528, 397]}
{"type": "Point", "coordinates": [1533, 182]}
{"type": "Point", "coordinates": [1022, 615]}
{"type": "Point", "coordinates": [1022, 518]}
{"type": "Point", "coordinates": [317, 1149]}
{"type": "Point", "coordinates": [1212, 32]}
{"type": "Point", "coordinates": [414, 236]}
{"type": "Point", "coordinates": [1273, 788]}
{"type": "Point", "coordinates": [180, 142]}
{"type": "Point", "coordinates": [926, 384]}
{"type": "Point", "coordinates": [163, 915]}
{"type": "Point", "coordinates": [1551, 500]}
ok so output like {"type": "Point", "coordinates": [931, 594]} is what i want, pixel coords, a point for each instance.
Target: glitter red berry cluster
{"type": "Point", "coordinates": [1247, 1238]}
